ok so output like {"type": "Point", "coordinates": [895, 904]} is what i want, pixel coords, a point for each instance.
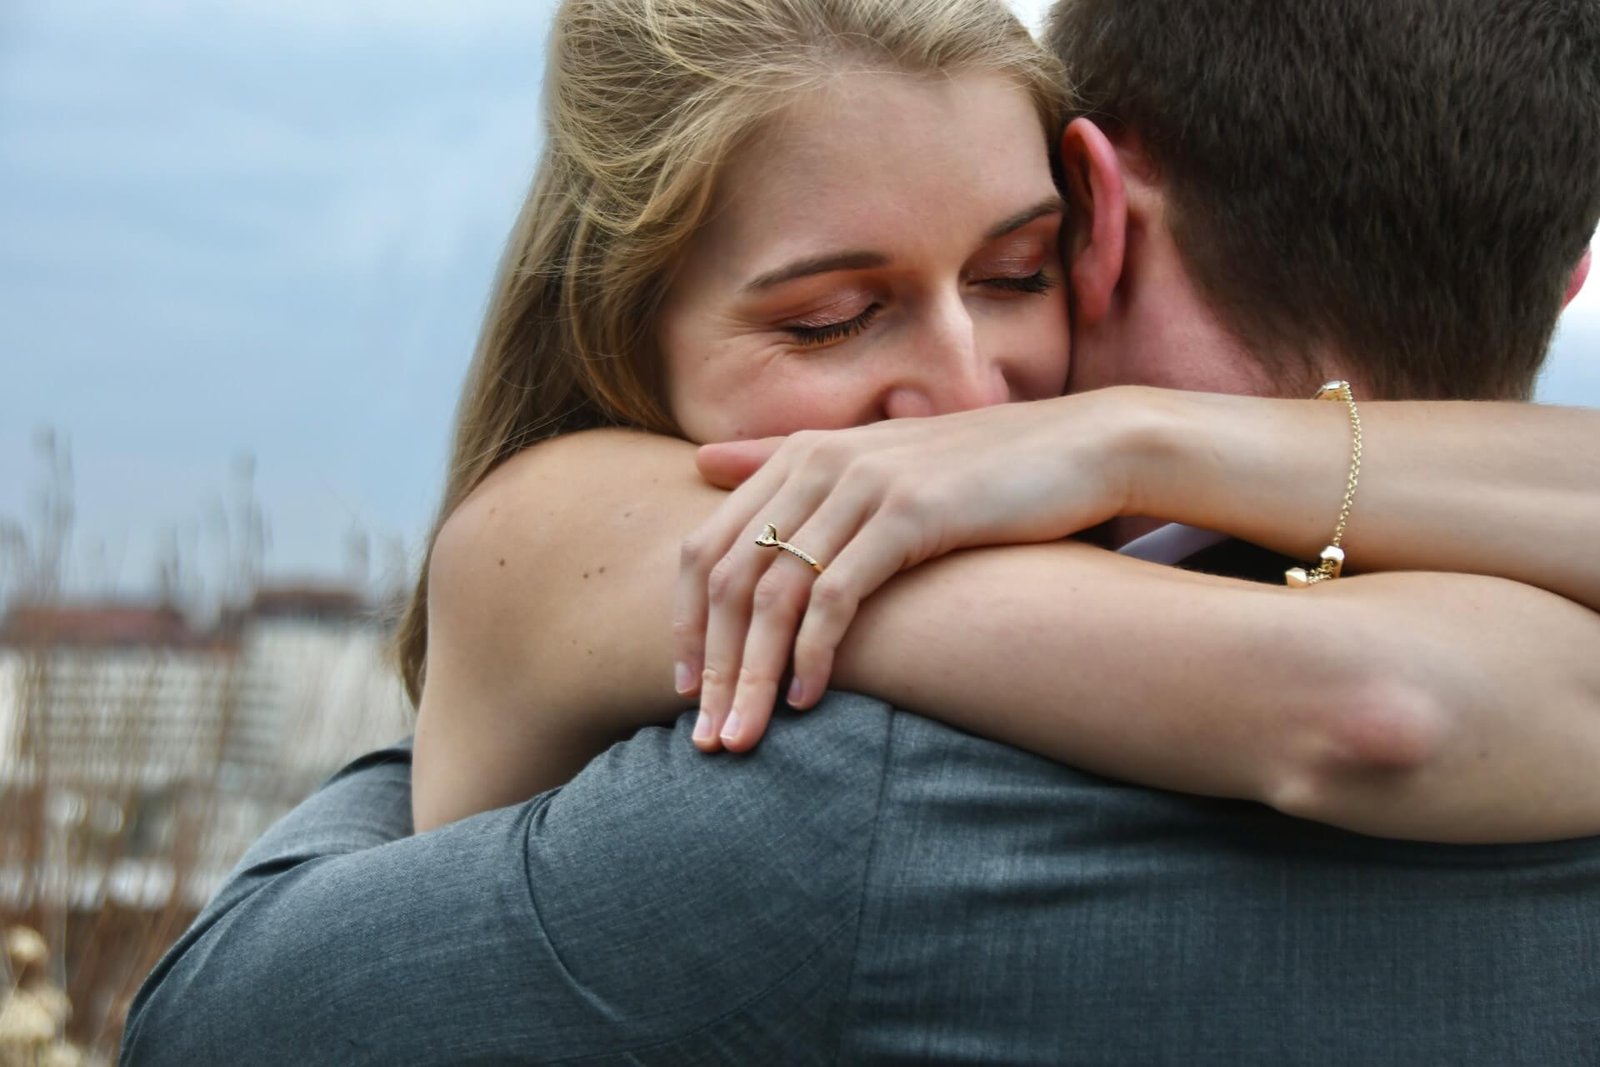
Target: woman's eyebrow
{"type": "Point", "coordinates": [1050, 206]}
{"type": "Point", "coordinates": [863, 260]}
{"type": "Point", "coordinates": [800, 268]}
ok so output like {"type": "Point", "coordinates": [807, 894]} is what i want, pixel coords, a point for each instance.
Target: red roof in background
{"type": "Point", "coordinates": [120, 624]}
{"type": "Point", "coordinates": [102, 625]}
{"type": "Point", "coordinates": [307, 602]}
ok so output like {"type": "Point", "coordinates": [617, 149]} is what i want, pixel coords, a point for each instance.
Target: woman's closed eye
{"type": "Point", "coordinates": [810, 333]}
{"type": "Point", "coordinates": [844, 316]}
{"type": "Point", "coordinates": [1040, 281]}
{"type": "Point", "coordinates": [1021, 262]}
{"type": "Point", "coordinates": [815, 334]}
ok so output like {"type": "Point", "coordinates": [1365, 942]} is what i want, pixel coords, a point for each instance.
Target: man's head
{"type": "Point", "coordinates": [1397, 191]}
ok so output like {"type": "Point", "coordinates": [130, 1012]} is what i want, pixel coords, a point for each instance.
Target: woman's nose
{"type": "Point", "coordinates": [946, 369]}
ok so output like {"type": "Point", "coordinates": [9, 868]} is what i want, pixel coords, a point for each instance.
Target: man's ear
{"type": "Point", "coordinates": [1098, 218]}
{"type": "Point", "coordinates": [1580, 274]}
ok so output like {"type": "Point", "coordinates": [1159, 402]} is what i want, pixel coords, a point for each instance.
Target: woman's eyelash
{"type": "Point", "coordinates": [834, 331]}
{"type": "Point", "coordinates": [1037, 282]}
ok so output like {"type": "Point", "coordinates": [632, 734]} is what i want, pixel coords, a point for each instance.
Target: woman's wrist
{"type": "Point", "coordinates": [1266, 470]}
{"type": "Point", "coordinates": [1163, 451]}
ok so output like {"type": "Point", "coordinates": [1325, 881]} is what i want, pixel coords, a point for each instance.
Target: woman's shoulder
{"type": "Point", "coordinates": [552, 504]}
{"type": "Point", "coordinates": [556, 480]}
{"type": "Point", "coordinates": [558, 542]}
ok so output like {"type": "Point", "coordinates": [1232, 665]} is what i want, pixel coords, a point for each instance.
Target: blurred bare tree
{"type": "Point", "coordinates": [140, 753]}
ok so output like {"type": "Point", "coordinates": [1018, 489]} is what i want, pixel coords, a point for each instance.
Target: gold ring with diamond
{"type": "Point", "coordinates": [769, 539]}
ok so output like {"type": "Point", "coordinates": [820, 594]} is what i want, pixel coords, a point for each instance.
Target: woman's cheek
{"type": "Point", "coordinates": [805, 394]}
{"type": "Point", "coordinates": [736, 390]}
{"type": "Point", "coordinates": [1032, 345]}
{"type": "Point", "coordinates": [1049, 346]}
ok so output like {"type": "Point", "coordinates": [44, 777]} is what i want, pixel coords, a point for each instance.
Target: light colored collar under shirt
{"type": "Point", "coordinates": [1172, 543]}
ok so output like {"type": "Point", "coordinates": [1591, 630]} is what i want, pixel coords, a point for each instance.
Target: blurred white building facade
{"type": "Point", "coordinates": [140, 755]}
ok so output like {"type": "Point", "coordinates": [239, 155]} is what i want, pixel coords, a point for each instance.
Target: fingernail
{"type": "Point", "coordinates": [702, 728]}
{"type": "Point", "coordinates": [730, 729]}
{"type": "Point", "coordinates": [682, 677]}
{"type": "Point", "coordinates": [797, 691]}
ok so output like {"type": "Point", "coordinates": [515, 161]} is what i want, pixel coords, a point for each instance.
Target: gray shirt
{"type": "Point", "coordinates": [870, 887]}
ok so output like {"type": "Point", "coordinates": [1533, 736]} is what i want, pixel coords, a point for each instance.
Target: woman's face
{"type": "Point", "coordinates": [887, 248]}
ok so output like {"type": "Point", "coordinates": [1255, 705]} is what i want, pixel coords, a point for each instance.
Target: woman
{"type": "Point", "coordinates": [757, 218]}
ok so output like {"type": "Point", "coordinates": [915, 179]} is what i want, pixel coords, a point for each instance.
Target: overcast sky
{"type": "Point", "coordinates": [268, 227]}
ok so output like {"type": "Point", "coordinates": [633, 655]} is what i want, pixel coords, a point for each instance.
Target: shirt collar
{"type": "Point", "coordinates": [1172, 543]}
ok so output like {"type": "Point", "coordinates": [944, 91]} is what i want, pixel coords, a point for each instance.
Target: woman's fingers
{"type": "Point", "coordinates": [701, 551]}
{"type": "Point", "coordinates": [879, 499]}
{"type": "Point", "coordinates": [731, 600]}
{"type": "Point", "coordinates": [778, 603]}
{"type": "Point", "coordinates": [689, 618]}
{"type": "Point", "coordinates": [882, 548]}
{"type": "Point", "coordinates": [729, 463]}
{"type": "Point", "coordinates": [728, 596]}
{"type": "Point", "coordinates": [727, 620]}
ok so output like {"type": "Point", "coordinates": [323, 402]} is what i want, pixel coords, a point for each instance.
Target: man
{"type": "Point", "coordinates": [875, 887]}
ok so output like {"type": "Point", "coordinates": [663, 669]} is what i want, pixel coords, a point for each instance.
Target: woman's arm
{"type": "Point", "coordinates": [1504, 489]}
{"type": "Point", "coordinates": [549, 617]}
{"type": "Point", "coordinates": [1436, 707]}
{"type": "Point", "coordinates": [1413, 705]}
{"type": "Point", "coordinates": [1509, 490]}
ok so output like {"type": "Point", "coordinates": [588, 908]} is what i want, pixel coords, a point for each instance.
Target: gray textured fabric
{"type": "Point", "coordinates": [1020, 912]}
{"type": "Point", "coordinates": [662, 908]}
{"type": "Point", "coordinates": [870, 887]}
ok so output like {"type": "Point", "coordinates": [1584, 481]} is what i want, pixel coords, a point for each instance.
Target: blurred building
{"type": "Point", "coordinates": [140, 754]}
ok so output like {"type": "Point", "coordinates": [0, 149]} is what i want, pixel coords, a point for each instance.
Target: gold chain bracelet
{"type": "Point", "coordinates": [1332, 558]}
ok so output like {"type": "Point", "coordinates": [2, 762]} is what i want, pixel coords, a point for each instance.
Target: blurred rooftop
{"type": "Point", "coordinates": [131, 624]}
{"type": "Point", "coordinates": [102, 624]}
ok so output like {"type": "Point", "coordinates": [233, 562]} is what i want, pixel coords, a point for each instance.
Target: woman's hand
{"type": "Point", "coordinates": [867, 503]}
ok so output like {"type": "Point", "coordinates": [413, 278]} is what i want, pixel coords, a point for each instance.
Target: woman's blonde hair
{"type": "Point", "coordinates": [647, 99]}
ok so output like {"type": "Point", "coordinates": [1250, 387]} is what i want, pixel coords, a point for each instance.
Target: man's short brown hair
{"type": "Point", "coordinates": [1409, 181]}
